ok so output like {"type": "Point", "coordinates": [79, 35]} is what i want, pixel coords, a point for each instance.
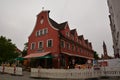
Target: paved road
{"type": "Point", "coordinates": [27, 77]}
{"type": "Point", "coordinates": [12, 77]}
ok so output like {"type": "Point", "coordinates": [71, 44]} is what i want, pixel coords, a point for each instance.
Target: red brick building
{"type": "Point", "coordinates": [55, 45]}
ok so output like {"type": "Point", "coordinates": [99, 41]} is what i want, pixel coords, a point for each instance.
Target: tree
{"type": "Point", "coordinates": [24, 52]}
{"type": "Point", "coordinates": [96, 55]}
{"type": "Point", "coordinates": [7, 50]}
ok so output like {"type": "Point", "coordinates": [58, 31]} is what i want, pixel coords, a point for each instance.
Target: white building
{"type": "Point", "coordinates": [114, 10]}
{"type": "Point", "coordinates": [110, 63]}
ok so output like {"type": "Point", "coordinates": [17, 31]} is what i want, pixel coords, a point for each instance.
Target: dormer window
{"type": "Point", "coordinates": [67, 34]}
{"type": "Point", "coordinates": [72, 37]}
{"type": "Point", "coordinates": [67, 45]}
{"type": "Point", "coordinates": [73, 47]}
{"type": "Point", "coordinates": [62, 44]}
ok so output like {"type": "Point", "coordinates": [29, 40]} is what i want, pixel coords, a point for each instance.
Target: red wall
{"type": "Point", "coordinates": [52, 34]}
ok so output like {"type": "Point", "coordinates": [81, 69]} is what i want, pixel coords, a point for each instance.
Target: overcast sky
{"type": "Point", "coordinates": [89, 17]}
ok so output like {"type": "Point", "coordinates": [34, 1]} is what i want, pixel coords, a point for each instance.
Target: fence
{"type": "Point", "coordinates": [110, 71]}
{"type": "Point", "coordinates": [11, 70]}
{"type": "Point", "coordinates": [65, 73]}
{"type": "Point", "coordinates": [74, 73]}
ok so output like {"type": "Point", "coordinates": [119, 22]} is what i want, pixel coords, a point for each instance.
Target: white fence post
{"type": "Point", "coordinates": [11, 70]}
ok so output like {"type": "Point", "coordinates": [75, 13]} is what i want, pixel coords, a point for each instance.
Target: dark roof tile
{"type": "Point", "coordinates": [80, 37]}
{"type": "Point", "coordinates": [56, 25]}
{"type": "Point", "coordinates": [73, 31]}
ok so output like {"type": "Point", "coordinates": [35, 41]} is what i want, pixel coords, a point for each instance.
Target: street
{"type": "Point", "coordinates": [26, 76]}
{"type": "Point", "coordinates": [12, 77]}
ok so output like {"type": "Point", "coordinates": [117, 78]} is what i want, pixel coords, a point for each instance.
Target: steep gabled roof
{"type": "Point", "coordinates": [90, 44]}
{"type": "Point", "coordinates": [86, 41]}
{"type": "Point", "coordinates": [80, 37]}
{"type": "Point", "coordinates": [56, 25]}
{"type": "Point", "coordinates": [62, 25]}
{"type": "Point", "coordinates": [73, 31]}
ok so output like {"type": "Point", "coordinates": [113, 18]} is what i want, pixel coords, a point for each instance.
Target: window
{"type": "Point", "coordinates": [72, 37]}
{"type": "Point", "coordinates": [72, 47]}
{"type": "Point", "coordinates": [32, 46]}
{"type": "Point", "coordinates": [62, 44]}
{"type": "Point", "coordinates": [37, 33]}
{"type": "Point", "coordinates": [80, 50]}
{"type": "Point", "coordinates": [117, 34]}
{"type": "Point", "coordinates": [114, 28]}
{"type": "Point", "coordinates": [40, 44]}
{"type": "Point", "coordinates": [40, 32]}
{"type": "Point", "coordinates": [49, 43]}
{"type": "Point", "coordinates": [77, 49]}
{"type": "Point", "coordinates": [67, 45]}
{"type": "Point", "coordinates": [67, 34]}
{"type": "Point", "coordinates": [45, 31]}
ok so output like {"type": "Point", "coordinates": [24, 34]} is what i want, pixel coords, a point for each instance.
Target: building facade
{"type": "Point", "coordinates": [114, 10]}
{"type": "Point", "coordinates": [56, 44]}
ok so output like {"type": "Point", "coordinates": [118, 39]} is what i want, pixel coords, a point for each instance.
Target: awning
{"type": "Point", "coordinates": [47, 56]}
{"type": "Point", "coordinates": [35, 55]}
{"type": "Point", "coordinates": [77, 55]}
{"type": "Point", "coordinates": [19, 58]}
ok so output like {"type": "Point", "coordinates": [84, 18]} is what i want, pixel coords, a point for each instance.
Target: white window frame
{"type": "Point", "coordinates": [39, 44]}
{"type": "Point", "coordinates": [68, 46]}
{"type": "Point", "coordinates": [51, 44]}
{"type": "Point", "coordinates": [40, 33]}
{"type": "Point", "coordinates": [44, 31]}
{"type": "Point", "coordinates": [67, 34]}
{"type": "Point", "coordinates": [31, 45]}
{"type": "Point", "coordinates": [37, 33]}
